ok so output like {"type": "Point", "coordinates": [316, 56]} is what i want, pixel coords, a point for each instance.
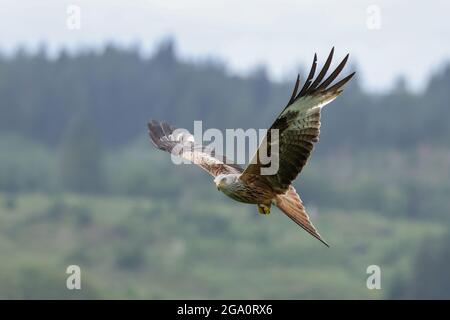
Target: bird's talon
{"type": "Point", "coordinates": [263, 210]}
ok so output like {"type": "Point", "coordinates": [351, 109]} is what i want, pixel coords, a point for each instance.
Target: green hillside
{"type": "Point", "coordinates": [147, 248]}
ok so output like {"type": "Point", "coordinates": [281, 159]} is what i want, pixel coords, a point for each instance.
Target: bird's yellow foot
{"type": "Point", "coordinates": [263, 209]}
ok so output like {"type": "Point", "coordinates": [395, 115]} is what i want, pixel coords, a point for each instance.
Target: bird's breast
{"type": "Point", "coordinates": [246, 194]}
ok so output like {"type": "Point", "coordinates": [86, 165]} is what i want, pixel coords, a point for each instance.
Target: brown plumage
{"type": "Point", "coordinates": [298, 127]}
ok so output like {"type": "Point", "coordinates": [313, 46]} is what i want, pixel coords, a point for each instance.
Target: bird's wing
{"type": "Point", "coordinates": [298, 127]}
{"type": "Point", "coordinates": [292, 206]}
{"type": "Point", "coordinates": [181, 143]}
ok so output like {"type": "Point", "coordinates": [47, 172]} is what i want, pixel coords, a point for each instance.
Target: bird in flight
{"type": "Point", "coordinates": [298, 127]}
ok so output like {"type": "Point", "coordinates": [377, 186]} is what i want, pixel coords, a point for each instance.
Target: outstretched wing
{"type": "Point", "coordinates": [298, 127]}
{"type": "Point", "coordinates": [181, 143]}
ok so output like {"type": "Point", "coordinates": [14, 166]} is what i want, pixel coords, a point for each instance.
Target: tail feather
{"type": "Point", "coordinates": [291, 205]}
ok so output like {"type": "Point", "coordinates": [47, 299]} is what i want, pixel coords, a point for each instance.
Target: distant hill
{"type": "Point", "coordinates": [119, 91]}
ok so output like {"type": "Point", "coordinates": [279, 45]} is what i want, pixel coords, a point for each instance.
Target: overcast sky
{"type": "Point", "coordinates": [384, 38]}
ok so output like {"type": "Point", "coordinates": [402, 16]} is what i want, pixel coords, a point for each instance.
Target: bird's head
{"type": "Point", "coordinates": [224, 180]}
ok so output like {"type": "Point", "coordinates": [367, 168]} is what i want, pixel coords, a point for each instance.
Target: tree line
{"type": "Point", "coordinates": [118, 90]}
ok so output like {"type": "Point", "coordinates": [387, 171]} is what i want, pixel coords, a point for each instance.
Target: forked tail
{"type": "Point", "coordinates": [291, 204]}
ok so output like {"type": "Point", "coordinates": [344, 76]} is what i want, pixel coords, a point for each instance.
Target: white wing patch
{"type": "Point", "coordinates": [309, 103]}
{"type": "Point", "coordinates": [181, 144]}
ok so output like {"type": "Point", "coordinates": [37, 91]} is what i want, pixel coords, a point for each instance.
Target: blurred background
{"type": "Point", "coordinates": [81, 184]}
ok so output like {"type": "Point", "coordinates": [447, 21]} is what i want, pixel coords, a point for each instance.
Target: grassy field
{"type": "Point", "coordinates": [145, 248]}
